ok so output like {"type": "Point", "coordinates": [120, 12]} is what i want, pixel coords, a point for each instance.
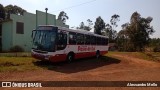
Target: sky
{"type": "Point", "coordinates": [81, 10]}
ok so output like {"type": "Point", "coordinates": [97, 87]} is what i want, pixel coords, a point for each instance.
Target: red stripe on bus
{"type": "Point", "coordinates": [63, 57]}
{"type": "Point", "coordinates": [58, 58]}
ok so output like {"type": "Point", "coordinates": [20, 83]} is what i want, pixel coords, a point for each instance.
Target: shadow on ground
{"type": "Point", "coordinates": [77, 65]}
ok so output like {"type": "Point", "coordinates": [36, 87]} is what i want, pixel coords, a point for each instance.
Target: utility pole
{"type": "Point", "coordinates": [46, 16]}
{"type": "Point", "coordinates": [36, 18]}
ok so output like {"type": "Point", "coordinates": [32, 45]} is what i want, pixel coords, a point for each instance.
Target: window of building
{"type": "Point", "coordinates": [20, 28]}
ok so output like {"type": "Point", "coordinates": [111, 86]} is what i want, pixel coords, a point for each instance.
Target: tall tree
{"type": "Point", "coordinates": [137, 32]}
{"type": "Point", "coordinates": [140, 30]}
{"type": "Point", "coordinates": [110, 28]}
{"type": "Point", "coordinates": [63, 17]}
{"type": "Point", "coordinates": [86, 27]}
{"type": "Point", "coordinates": [2, 12]}
{"type": "Point", "coordinates": [90, 23]}
{"type": "Point", "coordinates": [112, 34]}
{"type": "Point", "coordinates": [114, 20]}
{"type": "Point", "coordinates": [123, 40]}
{"type": "Point", "coordinates": [99, 26]}
{"type": "Point", "coordinates": [81, 26]}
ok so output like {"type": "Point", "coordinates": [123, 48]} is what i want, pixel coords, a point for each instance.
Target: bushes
{"type": "Point", "coordinates": [156, 49]}
{"type": "Point", "coordinates": [16, 49]}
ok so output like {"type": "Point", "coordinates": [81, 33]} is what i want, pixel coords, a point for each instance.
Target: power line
{"type": "Point", "coordinates": [74, 6]}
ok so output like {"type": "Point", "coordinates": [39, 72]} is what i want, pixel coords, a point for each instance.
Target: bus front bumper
{"type": "Point", "coordinates": [56, 58]}
{"type": "Point", "coordinates": [40, 56]}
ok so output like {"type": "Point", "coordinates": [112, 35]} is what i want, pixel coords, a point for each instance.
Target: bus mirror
{"type": "Point", "coordinates": [33, 33]}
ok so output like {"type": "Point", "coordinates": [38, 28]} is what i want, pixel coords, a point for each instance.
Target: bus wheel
{"type": "Point", "coordinates": [70, 57]}
{"type": "Point", "coordinates": [97, 54]}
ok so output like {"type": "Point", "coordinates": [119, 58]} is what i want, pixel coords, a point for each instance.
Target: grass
{"type": "Point", "coordinates": [153, 56]}
{"type": "Point", "coordinates": [17, 64]}
{"type": "Point", "coordinates": [16, 54]}
{"type": "Point", "coordinates": [12, 64]}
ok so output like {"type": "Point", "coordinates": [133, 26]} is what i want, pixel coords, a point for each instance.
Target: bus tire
{"type": "Point", "coordinates": [98, 54]}
{"type": "Point", "coordinates": [70, 57]}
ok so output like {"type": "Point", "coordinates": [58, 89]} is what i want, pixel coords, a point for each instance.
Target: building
{"type": "Point", "coordinates": [17, 29]}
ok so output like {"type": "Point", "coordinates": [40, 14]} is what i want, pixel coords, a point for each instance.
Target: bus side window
{"type": "Point", "coordinates": [98, 40]}
{"type": "Point", "coordinates": [103, 41]}
{"type": "Point", "coordinates": [61, 41]}
{"type": "Point", "coordinates": [106, 41]}
{"type": "Point", "coordinates": [80, 39]}
{"type": "Point", "coordinates": [72, 38]}
{"type": "Point", "coordinates": [87, 39]}
{"type": "Point", "coordinates": [93, 40]}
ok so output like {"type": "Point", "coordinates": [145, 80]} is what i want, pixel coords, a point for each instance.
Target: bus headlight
{"type": "Point", "coordinates": [47, 57]}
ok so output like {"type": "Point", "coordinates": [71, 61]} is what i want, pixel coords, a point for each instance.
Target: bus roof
{"type": "Point", "coordinates": [76, 30]}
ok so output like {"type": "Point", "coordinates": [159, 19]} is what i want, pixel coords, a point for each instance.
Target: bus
{"type": "Point", "coordinates": [55, 44]}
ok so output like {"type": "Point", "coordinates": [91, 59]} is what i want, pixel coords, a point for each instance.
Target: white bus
{"type": "Point", "coordinates": [59, 44]}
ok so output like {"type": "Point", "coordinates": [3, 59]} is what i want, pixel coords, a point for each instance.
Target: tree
{"type": "Point", "coordinates": [114, 20]}
{"type": "Point", "coordinates": [110, 29]}
{"type": "Point", "coordinates": [2, 12]}
{"type": "Point", "coordinates": [84, 27]}
{"type": "Point", "coordinates": [10, 9]}
{"type": "Point", "coordinates": [123, 40]}
{"type": "Point", "coordinates": [89, 24]}
{"type": "Point", "coordinates": [154, 43]}
{"type": "Point", "coordinates": [99, 26]}
{"type": "Point", "coordinates": [112, 34]}
{"type": "Point", "coordinates": [63, 17]}
{"type": "Point", "coordinates": [140, 30]}
{"type": "Point", "coordinates": [81, 26]}
{"type": "Point", "coordinates": [137, 32]}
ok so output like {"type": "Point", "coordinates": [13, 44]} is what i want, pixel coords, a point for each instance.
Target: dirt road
{"type": "Point", "coordinates": [105, 69]}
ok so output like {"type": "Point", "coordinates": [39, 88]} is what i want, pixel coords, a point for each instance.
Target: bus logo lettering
{"type": "Point", "coordinates": [85, 48]}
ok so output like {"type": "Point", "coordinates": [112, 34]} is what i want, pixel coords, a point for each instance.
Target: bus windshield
{"type": "Point", "coordinates": [44, 40]}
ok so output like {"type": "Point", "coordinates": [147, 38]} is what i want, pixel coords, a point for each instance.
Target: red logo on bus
{"type": "Point", "coordinates": [86, 48]}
